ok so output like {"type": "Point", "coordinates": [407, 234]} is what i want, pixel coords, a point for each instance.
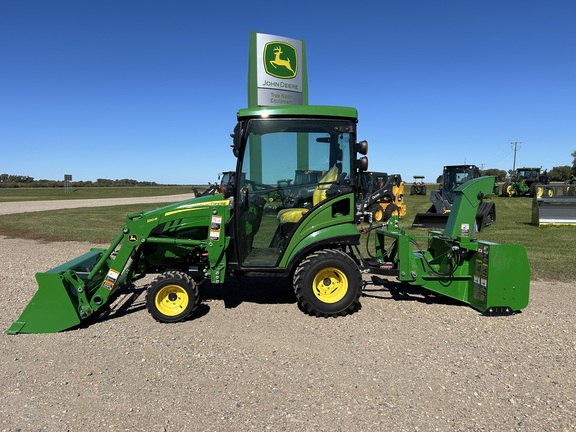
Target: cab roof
{"type": "Point", "coordinates": [299, 110]}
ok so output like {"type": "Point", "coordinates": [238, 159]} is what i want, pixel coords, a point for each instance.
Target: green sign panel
{"type": "Point", "coordinates": [280, 60]}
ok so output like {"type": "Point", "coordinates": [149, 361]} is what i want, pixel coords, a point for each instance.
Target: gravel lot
{"type": "Point", "coordinates": [251, 360]}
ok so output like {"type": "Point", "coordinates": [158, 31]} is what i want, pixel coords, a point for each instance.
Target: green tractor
{"type": "Point", "coordinates": [527, 182]}
{"type": "Point", "coordinates": [418, 187]}
{"type": "Point", "coordinates": [312, 240]}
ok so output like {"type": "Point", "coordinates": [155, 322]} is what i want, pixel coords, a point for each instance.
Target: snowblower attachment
{"type": "Point", "coordinates": [492, 278]}
{"type": "Point", "coordinates": [60, 302]}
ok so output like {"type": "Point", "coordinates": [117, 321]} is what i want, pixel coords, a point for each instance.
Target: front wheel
{"type": "Point", "coordinates": [377, 212]}
{"type": "Point", "coordinates": [328, 283]}
{"type": "Point", "coordinates": [172, 297]}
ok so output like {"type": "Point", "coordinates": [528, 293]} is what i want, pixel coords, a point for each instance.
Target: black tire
{"type": "Point", "coordinates": [172, 297]}
{"type": "Point", "coordinates": [413, 190]}
{"type": "Point", "coordinates": [377, 212]}
{"type": "Point", "coordinates": [389, 211]}
{"type": "Point", "coordinates": [508, 190]}
{"type": "Point", "coordinates": [535, 189]}
{"type": "Point", "coordinates": [328, 283]}
{"type": "Point", "coordinates": [505, 189]}
{"type": "Point", "coordinates": [423, 190]}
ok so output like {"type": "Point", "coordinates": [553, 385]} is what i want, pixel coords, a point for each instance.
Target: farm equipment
{"type": "Point", "coordinates": [555, 206]}
{"type": "Point", "coordinates": [527, 182]}
{"type": "Point", "coordinates": [213, 237]}
{"type": "Point", "coordinates": [418, 187]}
{"type": "Point", "coordinates": [455, 264]}
{"type": "Point", "coordinates": [380, 196]}
{"type": "Point", "coordinates": [225, 178]}
{"type": "Point", "coordinates": [442, 200]}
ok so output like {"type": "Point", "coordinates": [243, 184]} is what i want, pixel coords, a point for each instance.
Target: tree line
{"type": "Point", "coordinates": [22, 181]}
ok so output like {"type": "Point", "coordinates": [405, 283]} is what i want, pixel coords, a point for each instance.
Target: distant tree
{"type": "Point", "coordinates": [498, 173]}
{"type": "Point", "coordinates": [574, 162]}
{"type": "Point", "coordinates": [559, 173]}
{"type": "Point", "coordinates": [103, 182]}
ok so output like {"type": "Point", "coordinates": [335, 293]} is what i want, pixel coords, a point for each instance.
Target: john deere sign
{"type": "Point", "coordinates": [277, 71]}
{"type": "Point", "coordinates": [280, 60]}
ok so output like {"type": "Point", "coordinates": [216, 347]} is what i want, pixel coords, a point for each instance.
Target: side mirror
{"type": "Point", "coordinates": [236, 139]}
{"type": "Point", "coordinates": [361, 147]}
{"type": "Point", "coordinates": [362, 164]}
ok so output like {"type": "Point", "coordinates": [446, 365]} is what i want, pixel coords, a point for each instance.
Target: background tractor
{"type": "Point", "coordinates": [437, 215]}
{"type": "Point", "coordinates": [527, 182]}
{"type": "Point", "coordinates": [418, 187]}
{"type": "Point", "coordinates": [380, 196]}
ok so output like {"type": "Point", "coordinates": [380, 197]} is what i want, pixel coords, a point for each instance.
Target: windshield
{"type": "Point", "coordinates": [291, 150]}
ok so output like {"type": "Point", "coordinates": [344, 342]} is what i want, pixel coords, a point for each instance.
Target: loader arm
{"type": "Point", "coordinates": [73, 291]}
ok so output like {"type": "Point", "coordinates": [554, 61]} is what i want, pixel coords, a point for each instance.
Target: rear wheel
{"type": "Point", "coordinates": [389, 211]}
{"type": "Point", "coordinates": [172, 297]}
{"type": "Point", "coordinates": [508, 190]}
{"type": "Point", "coordinates": [328, 283]}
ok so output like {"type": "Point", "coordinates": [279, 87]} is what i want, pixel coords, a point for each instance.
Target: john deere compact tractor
{"type": "Point", "coordinates": [313, 241]}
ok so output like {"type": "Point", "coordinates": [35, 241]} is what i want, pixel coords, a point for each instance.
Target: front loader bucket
{"type": "Point", "coordinates": [56, 304]}
{"type": "Point", "coordinates": [558, 210]}
{"type": "Point", "coordinates": [430, 220]}
{"type": "Point", "coordinates": [485, 216]}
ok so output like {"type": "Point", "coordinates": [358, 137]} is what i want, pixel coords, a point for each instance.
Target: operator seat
{"type": "Point", "coordinates": [293, 215]}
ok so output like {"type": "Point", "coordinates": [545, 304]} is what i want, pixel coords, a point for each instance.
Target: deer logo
{"type": "Point", "coordinates": [280, 60]}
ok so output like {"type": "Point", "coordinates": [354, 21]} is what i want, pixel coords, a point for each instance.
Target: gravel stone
{"type": "Point", "coordinates": [249, 359]}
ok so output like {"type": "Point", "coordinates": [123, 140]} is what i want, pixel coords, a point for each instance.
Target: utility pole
{"type": "Point", "coordinates": [516, 145]}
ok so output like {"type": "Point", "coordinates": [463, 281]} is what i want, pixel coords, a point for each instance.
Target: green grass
{"type": "Point", "coordinates": [550, 249]}
{"type": "Point", "coordinates": [94, 224]}
{"type": "Point", "coordinates": [37, 194]}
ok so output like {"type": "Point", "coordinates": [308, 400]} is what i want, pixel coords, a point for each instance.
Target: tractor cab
{"type": "Point", "coordinates": [454, 176]}
{"type": "Point", "coordinates": [296, 173]}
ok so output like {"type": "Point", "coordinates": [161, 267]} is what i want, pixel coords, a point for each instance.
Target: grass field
{"type": "Point", "coordinates": [37, 194]}
{"type": "Point", "coordinates": [550, 249]}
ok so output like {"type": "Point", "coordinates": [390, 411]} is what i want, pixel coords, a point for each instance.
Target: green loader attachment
{"type": "Point", "coordinates": [150, 242]}
{"type": "Point", "coordinates": [62, 297]}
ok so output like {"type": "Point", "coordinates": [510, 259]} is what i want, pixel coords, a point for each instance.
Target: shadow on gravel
{"type": "Point", "coordinates": [262, 290]}
{"type": "Point", "coordinates": [233, 292]}
{"type": "Point", "coordinates": [384, 289]}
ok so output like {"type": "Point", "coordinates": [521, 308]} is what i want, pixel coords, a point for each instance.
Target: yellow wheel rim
{"type": "Point", "coordinates": [378, 214]}
{"type": "Point", "coordinates": [171, 300]}
{"type": "Point", "coordinates": [539, 191]}
{"type": "Point", "coordinates": [330, 285]}
{"type": "Point", "coordinates": [510, 191]}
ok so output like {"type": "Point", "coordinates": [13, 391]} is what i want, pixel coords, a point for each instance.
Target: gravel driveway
{"type": "Point", "coordinates": [250, 360]}
{"type": "Point", "coordinates": [33, 206]}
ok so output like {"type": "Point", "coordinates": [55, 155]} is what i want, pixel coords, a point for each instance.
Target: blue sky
{"type": "Point", "coordinates": [149, 90]}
